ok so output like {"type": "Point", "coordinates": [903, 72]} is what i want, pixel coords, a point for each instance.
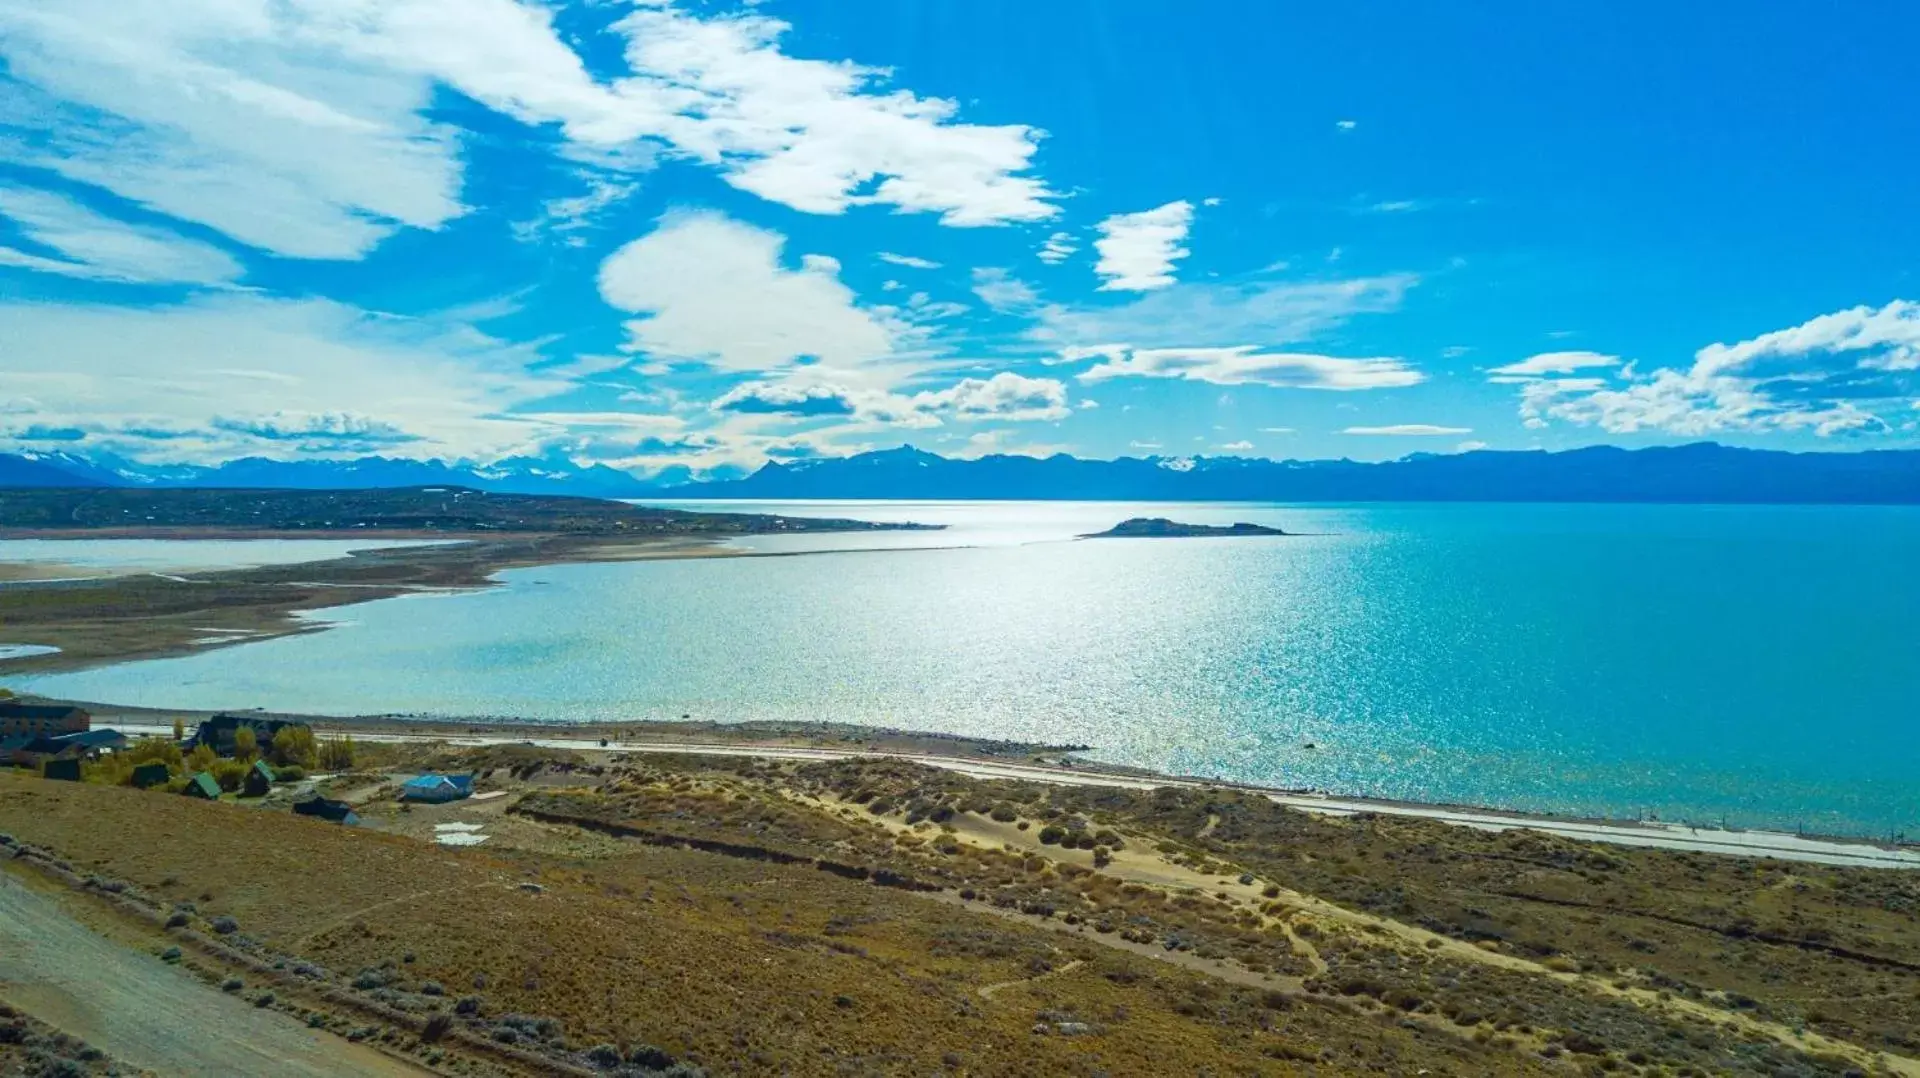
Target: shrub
{"type": "Point", "coordinates": [1051, 834]}
{"type": "Point", "coordinates": [604, 1056]}
{"type": "Point", "coordinates": [291, 773]}
{"type": "Point", "coordinates": [246, 743]}
{"type": "Point", "coordinates": [177, 919]}
{"type": "Point", "coordinates": [293, 746]}
{"type": "Point", "coordinates": [226, 926]}
{"type": "Point", "coordinates": [1102, 857]}
{"type": "Point", "coordinates": [438, 1025]}
{"type": "Point", "coordinates": [433, 988]}
{"type": "Point", "coordinates": [1004, 813]}
{"type": "Point", "coordinates": [336, 753]}
{"type": "Point", "coordinates": [232, 984]}
{"type": "Point", "coordinates": [467, 1005]}
{"type": "Point", "coordinates": [230, 774]}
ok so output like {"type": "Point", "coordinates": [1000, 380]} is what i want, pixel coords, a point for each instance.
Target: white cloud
{"type": "Point", "coordinates": [92, 245]}
{"type": "Point", "coordinates": [1346, 125]}
{"type": "Point", "coordinates": [1247, 365]}
{"type": "Point", "coordinates": [1398, 205]}
{"type": "Point", "coordinates": [1059, 247]}
{"type": "Point", "coordinates": [1408, 430]}
{"type": "Point", "coordinates": [218, 377]}
{"type": "Point", "coordinates": [1554, 363]}
{"type": "Point", "coordinates": [301, 126]}
{"type": "Point", "coordinates": [1002, 291]}
{"type": "Point", "coordinates": [1005, 396]}
{"type": "Point", "coordinates": [1138, 250]}
{"type": "Point", "coordinates": [712, 290]}
{"type": "Point", "coordinates": [1235, 447]}
{"type": "Point", "coordinates": [908, 261]}
{"type": "Point", "coordinates": [1470, 447]}
{"type": "Point", "coordinates": [1145, 445]}
{"type": "Point", "coordinates": [247, 117]}
{"type": "Point", "coordinates": [570, 216]}
{"type": "Point", "coordinates": [1276, 430]}
{"type": "Point", "coordinates": [1827, 375]}
{"type": "Point", "coordinates": [1213, 314]}
{"type": "Point", "coordinates": [1889, 336]}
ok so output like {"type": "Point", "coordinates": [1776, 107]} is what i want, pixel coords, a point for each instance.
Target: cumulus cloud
{"type": "Point", "coordinates": [772, 398]}
{"type": "Point", "coordinates": [1006, 396]}
{"type": "Point", "coordinates": [713, 290]}
{"type": "Point", "coordinates": [302, 126]}
{"type": "Point", "coordinates": [1408, 430]}
{"type": "Point", "coordinates": [1829, 375]}
{"type": "Point", "coordinates": [215, 378]}
{"type": "Point", "coordinates": [1138, 250]}
{"type": "Point", "coordinates": [1248, 365]}
{"type": "Point", "coordinates": [92, 245]}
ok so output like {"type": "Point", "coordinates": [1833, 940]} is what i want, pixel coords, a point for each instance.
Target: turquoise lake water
{"type": "Point", "coordinates": [1759, 665]}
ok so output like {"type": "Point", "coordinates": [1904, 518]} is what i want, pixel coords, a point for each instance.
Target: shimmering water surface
{"type": "Point", "coordinates": [1755, 664]}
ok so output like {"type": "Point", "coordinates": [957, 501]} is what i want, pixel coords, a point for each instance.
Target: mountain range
{"type": "Point", "coordinates": [1703, 472]}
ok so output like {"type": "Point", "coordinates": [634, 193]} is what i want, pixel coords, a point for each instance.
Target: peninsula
{"type": "Point", "coordinates": [90, 621]}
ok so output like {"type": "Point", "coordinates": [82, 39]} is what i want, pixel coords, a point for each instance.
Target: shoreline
{"type": "Point", "coordinates": [1015, 761]}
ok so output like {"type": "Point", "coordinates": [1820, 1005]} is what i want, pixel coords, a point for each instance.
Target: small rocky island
{"type": "Point", "coordinates": [1162, 528]}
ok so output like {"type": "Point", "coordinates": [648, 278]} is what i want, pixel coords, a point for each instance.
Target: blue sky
{"type": "Point", "coordinates": [704, 236]}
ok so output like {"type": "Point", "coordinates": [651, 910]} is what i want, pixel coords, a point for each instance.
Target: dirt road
{"type": "Point", "coordinates": [151, 1015]}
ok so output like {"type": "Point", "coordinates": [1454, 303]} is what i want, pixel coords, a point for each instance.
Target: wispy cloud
{"type": "Point", "coordinates": [1059, 247]}
{"type": "Point", "coordinates": [1408, 430]}
{"type": "Point", "coordinates": [89, 244]}
{"type": "Point", "coordinates": [908, 261]}
{"type": "Point", "coordinates": [1246, 365]}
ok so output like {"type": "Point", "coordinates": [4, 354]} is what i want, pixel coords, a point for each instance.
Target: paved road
{"type": "Point", "coordinates": [1667, 836]}
{"type": "Point", "coordinates": [150, 1015]}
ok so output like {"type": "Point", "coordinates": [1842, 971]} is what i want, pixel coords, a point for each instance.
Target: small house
{"type": "Point", "coordinates": [437, 789]}
{"type": "Point", "coordinates": [89, 743]}
{"type": "Point", "coordinates": [324, 809]}
{"type": "Point", "coordinates": [202, 785]}
{"type": "Point", "coordinates": [65, 768]}
{"type": "Point", "coordinates": [147, 776]}
{"type": "Point", "coordinates": [259, 780]}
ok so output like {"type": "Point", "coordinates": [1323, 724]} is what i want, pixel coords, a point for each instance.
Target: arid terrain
{"type": "Point", "coordinates": [742, 916]}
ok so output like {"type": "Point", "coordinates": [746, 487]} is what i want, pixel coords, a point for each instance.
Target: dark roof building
{"type": "Point", "coordinates": [17, 719]}
{"type": "Point", "coordinates": [203, 786]}
{"type": "Point", "coordinates": [321, 808]}
{"type": "Point", "coordinates": [259, 779]}
{"type": "Point", "coordinates": [217, 732]}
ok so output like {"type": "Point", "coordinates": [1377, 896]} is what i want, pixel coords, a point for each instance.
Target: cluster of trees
{"type": "Point", "coordinates": [293, 752]}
